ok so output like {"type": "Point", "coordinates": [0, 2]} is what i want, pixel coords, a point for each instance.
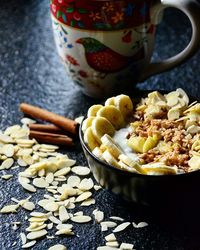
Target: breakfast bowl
{"type": "Point", "coordinates": [148, 184]}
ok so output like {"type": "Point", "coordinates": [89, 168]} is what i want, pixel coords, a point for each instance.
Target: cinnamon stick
{"type": "Point", "coordinates": [56, 139]}
{"type": "Point", "coordinates": [45, 115]}
{"type": "Point", "coordinates": [48, 128]}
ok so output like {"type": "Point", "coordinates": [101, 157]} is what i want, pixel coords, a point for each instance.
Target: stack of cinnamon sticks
{"type": "Point", "coordinates": [55, 132]}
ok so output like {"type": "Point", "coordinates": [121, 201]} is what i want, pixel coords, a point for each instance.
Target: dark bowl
{"type": "Point", "coordinates": [153, 190]}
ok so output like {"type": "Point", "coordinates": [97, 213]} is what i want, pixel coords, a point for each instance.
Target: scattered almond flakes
{"type": "Point", "coordinates": [112, 244]}
{"type": "Point", "coordinates": [36, 235]}
{"type": "Point", "coordinates": [110, 237]}
{"type": "Point", "coordinates": [126, 246]}
{"type": "Point", "coordinates": [29, 244]}
{"type": "Point", "coordinates": [81, 219]}
{"type": "Point", "coordinates": [79, 170]}
{"type": "Point", "coordinates": [9, 209]}
{"type": "Point", "coordinates": [140, 224]}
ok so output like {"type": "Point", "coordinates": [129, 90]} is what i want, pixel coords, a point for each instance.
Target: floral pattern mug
{"type": "Point", "coordinates": [106, 45]}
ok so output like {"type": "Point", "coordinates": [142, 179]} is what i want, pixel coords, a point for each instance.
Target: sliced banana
{"type": "Point", "coordinates": [124, 104]}
{"type": "Point", "coordinates": [126, 167]}
{"type": "Point", "coordinates": [87, 123]}
{"type": "Point", "coordinates": [110, 101]}
{"type": "Point", "coordinates": [111, 146]}
{"type": "Point", "coordinates": [101, 126]}
{"type": "Point", "coordinates": [98, 153]}
{"type": "Point", "coordinates": [128, 161]}
{"type": "Point", "coordinates": [110, 159]}
{"type": "Point", "coordinates": [92, 111]}
{"type": "Point", "coordinates": [89, 139]}
{"type": "Point", "coordinates": [112, 114]}
{"type": "Point", "coordinates": [159, 168]}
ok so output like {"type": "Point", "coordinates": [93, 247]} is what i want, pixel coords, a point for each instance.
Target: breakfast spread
{"type": "Point", "coordinates": [160, 135]}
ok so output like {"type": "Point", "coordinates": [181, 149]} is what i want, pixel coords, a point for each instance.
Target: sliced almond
{"type": "Point", "coordinates": [6, 164]}
{"type": "Point", "coordinates": [6, 176]}
{"type": "Point", "coordinates": [73, 181]}
{"type": "Point", "coordinates": [99, 216]}
{"type": "Point", "coordinates": [112, 244]}
{"type": "Point", "coordinates": [54, 220]}
{"type": "Point", "coordinates": [62, 171]}
{"type": "Point", "coordinates": [65, 231]}
{"type": "Point", "coordinates": [63, 214]}
{"type": "Point", "coordinates": [108, 224]}
{"type": "Point", "coordinates": [8, 150]}
{"type": "Point", "coordinates": [110, 237]}
{"type": "Point", "coordinates": [81, 219]}
{"type": "Point", "coordinates": [88, 202]}
{"type": "Point", "coordinates": [9, 209]}
{"type": "Point", "coordinates": [40, 182]}
{"type": "Point", "coordinates": [29, 205]}
{"type": "Point", "coordinates": [28, 187]}
{"type": "Point", "coordinates": [126, 246]}
{"type": "Point", "coordinates": [86, 184]}
{"type": "Point", "coordinates": [58, 247]}
{"type": "Point", "coordinates": [51, 206]}
{"type": "Point", "coordinates": [79, 170]}
{"type": "Point", "coordinates": [121, 227]}
{"type": "Point", "coordinates": [36, 235]}
{"type": "Point", "coordinates": [23, 238]}
{"type": "Point", "coordinates": [140, 224]}
{"type": "Point", "coordinates": [29, 244]}
{"type": "Point", "coordinates": [49, 178]}
{"type": "Point", "coordinates": [83, 196]}
{"type": "Point", "coordinates": [116, 218]}
{"type": "Point", "coordinates": [5, 138]}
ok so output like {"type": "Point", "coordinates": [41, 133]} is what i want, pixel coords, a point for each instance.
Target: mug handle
{"type": "Point", "coordinates": [192, 9]}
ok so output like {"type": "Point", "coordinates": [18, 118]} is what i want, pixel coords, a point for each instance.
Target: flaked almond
{"type": "Point", "coordinates": [81, 219]}
{"type": "Point", "coordinates": [121, 227]}
{"type": "Point", "coordinates": [51, 206]}
{"type": "Point", "coordinates": [126, 246]}
{"type": "Point", "coordinates": [108, 224]}
{"type": "Point", "coordinates": [116, 218]}
{"type": "Point", "coordinates": [6, 176]}
{"type": "Point", "coordinates": [110, 237]}
{"type": "Point", "coordinates": [86, 184]}
{"type": "Point", "coordinates": [40, 183]}
{"type": "Point", "coordinates": [29, 244]}
{"type": "Point", "coordinates": [140, 224]}
{"type": "Point", "coordinates": [6, 164]}
{"type": "Point", "coordinates": [49, 178]}
{"type": "Point", "coordinates": [62, 171]}
{"type": "Point", "coordinates": [9, 209]}
{"type": "Point", "coordinates": [99, 216]}
{"type": "Point", "coordinates": [28, 187]}
{"type": "Point", "coordinates": [63, 214]}
{"type": "Point", "coordinates": [79, 170]}
{"type": "Point", "coordinates": [73, 181]}
{"type": "Point", "coordinates": [8, 150]}
{"type": "Point", "coordinates": [36, 235]}
{"type": "Point", "coordinates": [83, 196]}
{"type": "Point", "coordinates": [112, 244]}
{"type": "Point", "coordinates": [58, 247]}
{"type": "Point", "coordinates": [29, 205]}
{"type": "Point", "coordinates": [88, 202]}
{"type": "Point", "coordinates": [23, 238]}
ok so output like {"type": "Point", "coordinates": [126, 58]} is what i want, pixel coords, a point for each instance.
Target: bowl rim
{"type": "Point", "coordinates": [121, 171]}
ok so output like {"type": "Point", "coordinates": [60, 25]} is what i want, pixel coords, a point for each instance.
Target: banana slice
{"type": "Point", "coordinates": [128, 161]}
{"type": "Point", "coordinates": [126, 167]}
{"type": "Point", "coordinates": [92, 111]}
{"type": "Point", "coordinates": [98, 153]}
{"type": "Point", "coordinates": [159, 168]}
{"type": "Point", "coordinates": [124, 104]}
{"type": "Point", "coordinates": [110, 159]}
{"type": "Point", "coordinates": [111, 146]}
{"type": "Point", "coordinates": [87, 123]}
{"type": "Point", "coordinates": [89, 139]}
{"type": "Point", "coordinates": [110, 101]}
{"type": "Point", "coordinates": [112, 114]}
{"type": "Point", "coordinates": [101, 126]}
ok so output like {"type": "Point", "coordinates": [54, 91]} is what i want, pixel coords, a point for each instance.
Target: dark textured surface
{"type": "Point", "coordinates": [30, 71]}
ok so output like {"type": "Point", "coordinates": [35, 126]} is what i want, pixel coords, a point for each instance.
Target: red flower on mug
{"type": "Point", "coordinates": [118, 17]}
{"type": "Point", "coordinates": [76, 16]}
{"type": "Point", "coordinates": [71, 60]}
{"type": "Point", "coordinates": [83, 73]}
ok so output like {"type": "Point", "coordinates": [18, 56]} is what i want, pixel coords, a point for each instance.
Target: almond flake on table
{"type": "Point", "coordinates": [83, 196]}
{"type": "Point", "coordinates": [29, 244]}
{"type": "Point", "coordinates": [98, 216]}
{"type": "Point", "coordinates": [110, 237]}
{"type": "Point", "coordinates": [140, 224]}
{"type": "Point", "coordinates": [126, 246]}
{"type": "Point", "coordinates": [28, 187]}
{"type": "Point", "coordinates": [116, 218]}
{"type": "Point", "coordinates": [23, 238]}
{"type": "Point", "coordinates": [36, 235]}
{"type": "Point", "coordinates": [58, 247]}
{"type": "Point", "coordinates": [73, 181]}
{"type": "Point", "coordinates": [7, 163]}
{"type": "Point", "coordinates": [81, 219]}
{"type": "Point", "coordinates": [108, 224]}
{"type": "Point", "coordinates": [9, 209]}
{"type": "Point", "coordinates": [106, 248]}
{"type": "Point", "coordinates": [112, 244]}
{"type": "Point", "coordinates": [86, 184]}
{"type": "Point", "coordinates": [63, 214]}
{"type": "Point", "coordinates": [88, 202]}
{"type": "Point", "coordinates": [121, 227]}
{"type": "Point", "coordinates": [6, 176]}
{"type": "Point", "coordinates": [80, 170]}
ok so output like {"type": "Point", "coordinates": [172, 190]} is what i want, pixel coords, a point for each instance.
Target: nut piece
{"type": "Point", "coordinates": [58, 247]}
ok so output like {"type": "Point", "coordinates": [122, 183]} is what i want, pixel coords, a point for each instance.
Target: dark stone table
{"type": "Point", "coordinates": [30, 71]}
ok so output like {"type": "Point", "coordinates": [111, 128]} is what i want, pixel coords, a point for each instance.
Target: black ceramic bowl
{"type": "Point", "coordinates": [153, 190]}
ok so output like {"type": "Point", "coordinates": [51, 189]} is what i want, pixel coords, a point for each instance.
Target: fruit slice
{"type": "Point", "coordinates": [126, 167]}
{"type": "Point", "coordinates": [110, 101]}
{"type": "Point", "coordinates": [125, 105]}
{"type": "Point", "coordinates": [150, 143]}
{"type": "Point", "coordinates": [112, 114]}
{"type": "Point", "coordinates": [92, 111]}
{"type": "Point", "coordinates": [111, 146]}
{"type": "Point", "coordinates": [87, 123]}
{"type": "Point", "coordinates": [89, 139]}
{"type": "Point", "coordinates": [110, 159]}
{"type": "Point", "coordinates": [101, 126]}
{"type": "Point", "coordinates": [128, 161]}
{"type": "Point", "coordinates": [98, 153]}
{"type": "Point", "coordinates": [136, 143]}
{"type": "Point", "coordinates": [158, 168]}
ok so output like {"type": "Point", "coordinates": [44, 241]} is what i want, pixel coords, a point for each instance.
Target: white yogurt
{"type": "Point", "coordinates": [120, 137]}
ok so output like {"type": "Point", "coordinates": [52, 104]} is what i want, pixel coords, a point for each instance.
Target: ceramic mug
{"type": "Point", "coordinates": [106, 45]}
